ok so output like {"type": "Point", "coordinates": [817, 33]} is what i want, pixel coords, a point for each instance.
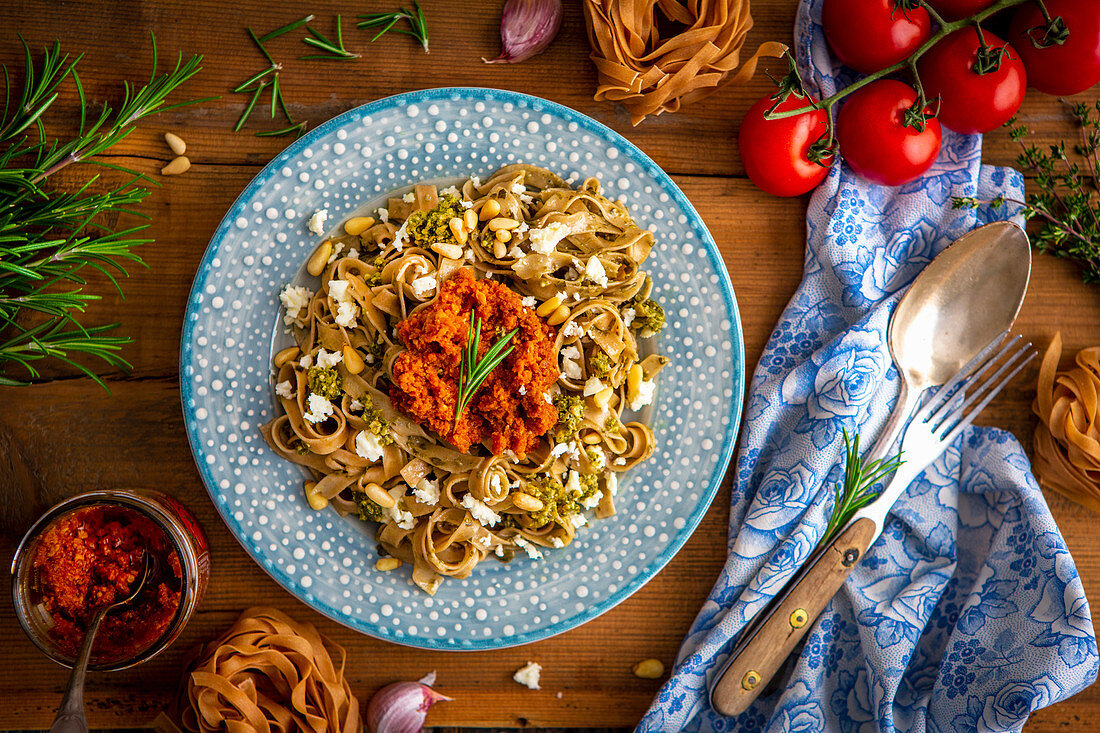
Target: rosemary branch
{"type": "Point", "coordinates": [858, 488]}
{"type": "Point", "coordinates": [472, 371]}
{"type": "Point", "coordinates": [50, 238]}
{"type": "Point", "coordinates": [418, 26]}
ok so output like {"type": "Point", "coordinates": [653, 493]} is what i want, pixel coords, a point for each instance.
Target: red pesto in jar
{"type": "Point", "coordinates": [91, 558]}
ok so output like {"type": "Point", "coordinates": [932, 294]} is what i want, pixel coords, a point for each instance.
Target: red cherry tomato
{"type": "Point", "coordinates": [972, 102]}
{"type": "Point", "coordinates": [777, 152]}
{"type": "Point", "coordinates": [958, 9]}
{"type": "Point", "coordinates": [869, 35]}
{"type": "Point", "coordinates": [874, 139]}
{"type": "Point", "coordinates": [1062, 68]}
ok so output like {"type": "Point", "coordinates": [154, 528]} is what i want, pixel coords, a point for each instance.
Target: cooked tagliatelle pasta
{"type": "Point", "coordinates": [381, 401]}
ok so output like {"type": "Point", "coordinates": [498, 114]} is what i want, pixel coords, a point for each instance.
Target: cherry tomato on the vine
{"type": "Point", "coordinates": [959, 9]}
{"type": "Point", "coordinates": [869, 35]}
{"type": "Point", "coordinates": [777, 153]}
{"type": "Point", "coordinates": [875, 140]}
{"type": "Point", "coordinates": [979, 88]}
{"type": "Point", "coordinates": [1071, 63]}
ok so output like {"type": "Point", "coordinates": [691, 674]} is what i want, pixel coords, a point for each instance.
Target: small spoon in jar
{"type": "Point", "coordinates": [70, 717]}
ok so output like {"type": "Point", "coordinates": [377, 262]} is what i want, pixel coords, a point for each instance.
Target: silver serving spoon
{"type": "Point", "coordinates": [70, 717]}
{"type": "Point", "coordinates": [962, 302]}
{"type": "Point", "coordinates": [967, 296]}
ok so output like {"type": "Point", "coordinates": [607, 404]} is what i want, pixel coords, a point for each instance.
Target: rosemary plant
{"type": "Point", "coordinates": [1067, 203]}
{"type": "Point", "coordinates": [418, 26]}
{"type": "Point", "coordinates": [472, 371]}
{"type": "Point", "coordinates": [51, 237]}
{"type": "Point", "coordinates": [858, 488]}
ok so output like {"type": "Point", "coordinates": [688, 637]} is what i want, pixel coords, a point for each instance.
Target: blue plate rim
{"type": "Point", "coordinates": [736, 404]}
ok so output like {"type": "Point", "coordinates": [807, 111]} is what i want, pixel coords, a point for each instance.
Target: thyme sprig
{"type": "Point", "coordinates": [1067, 202]}
{"type": "Point", "coordinates": [418, 26]}
{"type": "Point", "coordinates": [858, 487]}
{"type": "Point", "coordinates": [472, 371]}
{"type": "Point", "coordinates": [51, 238]}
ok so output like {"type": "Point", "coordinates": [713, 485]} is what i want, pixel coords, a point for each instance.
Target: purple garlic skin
{"type": "Point", "coordinates": [526, 28]}
{"type": "Point", "coordinates": [402, 707]}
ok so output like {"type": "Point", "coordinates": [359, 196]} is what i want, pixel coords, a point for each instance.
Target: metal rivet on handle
{"type": "Point", "coordinates": [850, 557]}
{"type": "Point", "coordinates": [799, 618]}
{"type": "Point", "coordinates": [751, 679]}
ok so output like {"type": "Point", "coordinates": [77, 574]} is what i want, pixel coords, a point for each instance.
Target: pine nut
{"type": "Point", "coordinates": [558, 317]}
{"type": "Point", "coordinates": [450, 251]}
{"type": "Point", "coordinates": [470, 219]}
{"type": "Point", "coordinates": [633, 382]}
{"type": "Point", "coordinates": [502, 222]}
{"type": "Point", "coordinates": [526, 502]}
{"type": "Point", "coordinates": [352, 361]}
{"type": "Point", "coordinates": [318, 261]}
{"type": "Point", "coordinates": [386, 564]}
{"type": "Point", "coordinates": [649, 669]}
{"type": "Point", "coordinates": [358, 224]}
{"type": "Point", "coordinates": [178, 165]}
{"type": "Point", "coordinates": [316, 501]}
{"type": "Point", "coordinates": [602, 397]}
{"type": "Point", "coordinates": [176, 143]}
{"type": "Point", "coordinates": [499, 248]}
{"type": "Point", "coordinates": [379, 495]}
{"type": "Point", "coordinates": [458, 229]}
{"type": "Point", "coordinates": [489, 209]}
{"type": "Point", "coordinates": [591, 439]}
{"type": "Point", "coordinates": [548, 307]}
{"type": "Point", "coordinates": [287, 354]}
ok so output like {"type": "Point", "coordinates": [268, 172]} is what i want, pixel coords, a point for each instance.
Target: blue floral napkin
{"type": "Point", "coordinates": [968, 613]}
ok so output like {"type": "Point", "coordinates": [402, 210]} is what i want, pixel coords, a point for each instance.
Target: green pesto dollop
{"type": "Point", "coordinates": [611, 425]}
{"type": "Point", "coordinates": [570, 414]}
{"type": "Point", "coordinates": [376, 422]}
{"type": "Point", "coordinates": [429, 226]}
{"type": "Point", "coordinates": [377, 349]}
{"type": "Point", "coordinates": [600, 364]}
{"type": "Point", "coordinates": [549, 491]}
{"type": "Point", "coordinates": [325, 382]}
{"type": "Point", "coordinates": [649, 317]}
{"type": "Point", "coordinates": [367, 509]}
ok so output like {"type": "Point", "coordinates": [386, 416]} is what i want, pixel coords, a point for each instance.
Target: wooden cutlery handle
{"type": "Point", "coordinates": [762, 654]}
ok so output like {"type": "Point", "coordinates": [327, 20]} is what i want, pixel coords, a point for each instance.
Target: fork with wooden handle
{"type": "Point", "coordinates": [765, 644]}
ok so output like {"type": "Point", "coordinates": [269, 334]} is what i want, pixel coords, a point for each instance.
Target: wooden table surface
{"type": "Point", "coordinates": [66, 435]}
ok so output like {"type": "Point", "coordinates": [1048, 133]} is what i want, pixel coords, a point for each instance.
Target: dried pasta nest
{"type": "Point", "coordinates": [651, 74]}
{"type": "Point", "coordinates": [1067, 440]}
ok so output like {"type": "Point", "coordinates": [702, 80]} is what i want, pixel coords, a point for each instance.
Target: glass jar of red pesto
{"type": "Point", "coordinates": [181, 562]}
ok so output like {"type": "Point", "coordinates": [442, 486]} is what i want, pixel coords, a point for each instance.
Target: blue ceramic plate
{"type": "Point", "coordinates": [232, 323]}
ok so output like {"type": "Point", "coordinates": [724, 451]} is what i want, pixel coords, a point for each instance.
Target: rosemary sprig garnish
{"type": "Point", "coordinates": [48, 237]}
{"type": "Point", "coordinates": [285, 29]}
{"type": "Point", "coordinates": [386, 21]}
{"type": "Point", "coordinates": [1068, 200]}
{"type": "Point", "coordinates": [333, 51]}
{"type": "Point", "coordinates": [473, 372]}
{"type": "Point", "coordinates": [857, 491]}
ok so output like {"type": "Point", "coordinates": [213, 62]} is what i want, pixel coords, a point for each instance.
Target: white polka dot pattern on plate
{"type": "Point", "coordinates": [232, 322]}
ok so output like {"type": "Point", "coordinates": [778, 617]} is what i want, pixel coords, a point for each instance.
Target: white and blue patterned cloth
{"type": "Point", "coordinates": [968, 613]}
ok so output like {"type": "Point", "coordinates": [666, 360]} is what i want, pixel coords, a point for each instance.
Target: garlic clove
{"type": "Point", "coordinates": [401, 707]}
{"type": "Point", "coordinates": [526, 28]}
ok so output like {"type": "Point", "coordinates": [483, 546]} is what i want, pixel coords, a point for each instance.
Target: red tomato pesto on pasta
{"type": "Point", "coordinates": [91, 558]}
{"type": "Point", "coordinates": [511, 410]}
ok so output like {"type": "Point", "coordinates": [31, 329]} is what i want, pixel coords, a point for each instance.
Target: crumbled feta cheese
{"type": "Point", "coordinates": [353, 254]}
{"type": "Point", "coordinates": [319, 409]}
{"type": "Point", "coordinates": [476, 181]}
{"type": "Point", "coordinates": [572, 369]}
{"type": "Point", "coordinates": [522, 389]}
{"type": "Point", "coordinates": [592, 386]}
{"type": "Point", "coordinates": [355, 406]}
{"type": "Point", "coordinates": [645, 394]}
{"type": "Point", "coordinates": [595, 271]}
{"type": "Point", "coordinates": [560, 295]}
{"type": "Point", "coordinates": [557, 542]}
{"type": "Point", "coordinates": [484, 540]}
{"type": "Point", "coordinates": [479, 511]}
{"type": "Point", "coordinates": [284, 390]}
{"type": "Point", "coordinates": [403, 519]}
{"type": "Point", "coordinates": [571, 353]}
{"type": "Point", "coordinates": [367, 446]}
{"type": "Point", "coordinates": [467, 204]}
{"type": "Point", "coordinates": [499, 550]}
{"type": "Point", "coordinates": [383, 214]}
{"type": "Point", "coordinates": [515, 253]}
{"type": "Point", "coordinates": [521, 229]}
{"type": "Point", "coordinates": [327, 360]}
{"type": "Point", "coordinates": [529, 301]}
{"type": "Point", "coordinates": [593, 501]}
{"type": "Point", "coordinates": [510, 456]}
{"type": "Point", "coordinates": [529, 675]}
{"type": "Point", "coordinates": [317, 221]}
{"type": "Point", "coordinates": [545, 239]}
{"type": "Point", "coordinates": [294, 298]}
{"type": "Point", "coordinates": [427, 491]}
{"type": "Point", "coordinates": [577, 520]}
{"type": "Point", "coordinates": [572, 329]}
{"type": "Point", "coordinates": [619, 461]}
{"type": "Point", "coordinates": [469, 257]}
{"type": "Point", "coordinates": [573, 483]}
{"type": "Point", "coordinates": [400, 237]}
{"type": "Point", "coordinates": [409, 197]}
{"type": "Point", "coordinates": [306, 361]}
{"type": "Point", "coordinates": [560, 449]}
{"type": "Point", "coordinates": [494, 482]}
{"type": "Point", "coordinates": [547, 398]}
{"type": "Point", "coordinates": [422, 287]}
{"type": "Point", "coordinates": [346, 308]}
{"type": "Point", "coordinates": [612, 481]}
{"type": "Point", "coordinates": [448, 191]}
{"type": "Point", "coordinates": [532, 552]}
{"type": "Point", "coordinates": [628, 316]}
{"type": "Point", "coordinates": [517, 188]}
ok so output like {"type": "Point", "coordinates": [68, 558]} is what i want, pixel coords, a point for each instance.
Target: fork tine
{"type": "Point", "coordinates": [993, 392]}
{"type": "Point", "coordinates": [975, 381]}
{"type": "Point", "coordinates": [971, 371]}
